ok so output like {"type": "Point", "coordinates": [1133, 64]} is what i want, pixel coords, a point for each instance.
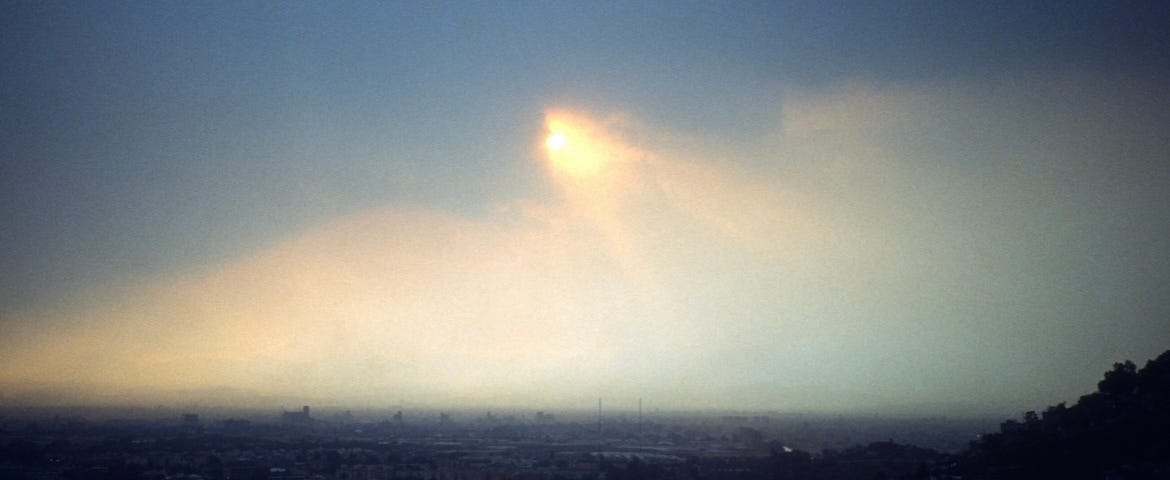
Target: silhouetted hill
{"type": "Point", "coordinates": [1120, 431]}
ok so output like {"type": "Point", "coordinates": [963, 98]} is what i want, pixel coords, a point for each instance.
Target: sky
{"type": "Point", "coordinates": [929, 207]}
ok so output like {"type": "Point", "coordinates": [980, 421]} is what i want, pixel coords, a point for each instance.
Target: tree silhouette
{"type": "Point", "coordinates": [1122, 379]}
{"type": "Point", "coordinates": [1122, 430]}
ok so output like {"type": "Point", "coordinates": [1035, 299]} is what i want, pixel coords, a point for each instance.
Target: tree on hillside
{"type": "Point", "coordinates": [1121, 380]}
{"type": "Point", "coordinates": [1122, 430]}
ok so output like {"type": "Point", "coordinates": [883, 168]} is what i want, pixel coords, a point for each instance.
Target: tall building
{"type": "Point", "coordinates": [301, 417]}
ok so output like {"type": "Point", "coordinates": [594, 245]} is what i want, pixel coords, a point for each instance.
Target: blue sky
{"type": "Point", "coordinates": [969, 177]}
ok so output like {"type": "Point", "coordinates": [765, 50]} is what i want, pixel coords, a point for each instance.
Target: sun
{"type": "Point", "coordinates": [577, 157]}
{"type": "Point", "coordinates": [574, 147]}
{"type": "Point", "coordinates": [556, 141]}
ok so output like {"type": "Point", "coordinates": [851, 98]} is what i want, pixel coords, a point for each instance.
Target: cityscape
{"type": "Point", "coordinates": [584, 240]}
{"type": "Point", "coordinates": [155, 444]}
{"type": "Point", "coordinates": [1119, 431]}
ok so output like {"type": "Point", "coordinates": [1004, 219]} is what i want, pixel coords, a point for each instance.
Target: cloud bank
{"type": "Point", "coordinates": [881, 245]}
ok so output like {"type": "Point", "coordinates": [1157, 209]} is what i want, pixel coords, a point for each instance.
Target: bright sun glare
{"type": "Point", "coordinates": [556, 142]}
{"type": "Point", "coordinates": [574, 146]}
{"type": "Point", "coordinates": [579, 161]}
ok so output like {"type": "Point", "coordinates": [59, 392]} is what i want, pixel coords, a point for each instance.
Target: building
{"type": "Point", "coordinates": [294, 417]}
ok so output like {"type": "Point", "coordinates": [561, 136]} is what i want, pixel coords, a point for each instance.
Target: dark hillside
{"type": "Point", "coordinates": [1120, 431]}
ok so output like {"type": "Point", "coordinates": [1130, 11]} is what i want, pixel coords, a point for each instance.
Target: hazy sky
{"type": "Point", "coordinates": [780, 205]}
